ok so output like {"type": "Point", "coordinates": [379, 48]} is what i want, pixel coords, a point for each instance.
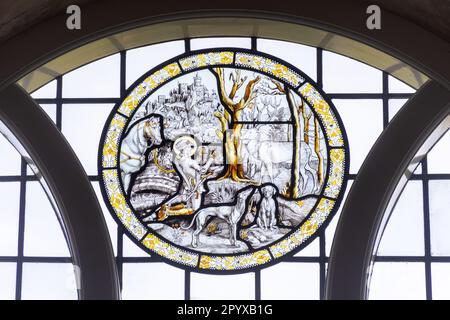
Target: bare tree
{"type": "Point", "coordinates": [317, 150]}
{"type": "Point", "coordinates": [230, 116]}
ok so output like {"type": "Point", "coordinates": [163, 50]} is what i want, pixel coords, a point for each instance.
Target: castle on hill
{"type": "Point", "coordinates": [185, 95]}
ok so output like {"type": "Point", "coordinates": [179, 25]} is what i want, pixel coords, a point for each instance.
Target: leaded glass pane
{"type": "Point", "coordinates": [398, 281]}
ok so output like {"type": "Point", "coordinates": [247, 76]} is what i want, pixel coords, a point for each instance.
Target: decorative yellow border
{"type": "Point", "coordinates": [118, 202]}
{"type": "Point", "coordinates": [337, 171]}
{"type": "Point", "coordinates": [111, 145]}
{"type": "Point", "coordinates": [165, 249]}
{"type": "Point", "coordinates": [207, 59]}
{"type": "Point", "coordinates": [150, 83]}
{"type": "Point", "coordinates": [308, 228]}
{"type": "Point", "coordinates": [237, 262]}
{"type": "Point", "coordinates": [270, 66]}
{"type": "Point", "coordinates": [325, 113]}
{"type": "Point", "coordinates": [109, 160]}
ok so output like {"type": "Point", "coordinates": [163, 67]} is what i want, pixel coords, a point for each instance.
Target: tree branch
{"type": "Point", "coordinates": [225, 97]}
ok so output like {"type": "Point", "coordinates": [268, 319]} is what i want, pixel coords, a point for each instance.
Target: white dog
{"type": "Point", "coordinates": [267, 211]}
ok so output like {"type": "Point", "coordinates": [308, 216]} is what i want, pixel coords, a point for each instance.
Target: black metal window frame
{"type": "Point", "coordinates": [322, 259]}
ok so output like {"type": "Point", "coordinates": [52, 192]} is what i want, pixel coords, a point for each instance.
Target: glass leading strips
{"type": "Point", "coordinates": [223, 160]}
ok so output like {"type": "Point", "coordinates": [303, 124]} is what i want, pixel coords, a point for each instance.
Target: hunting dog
{"type": "Point", "coordinates": [230, 213]}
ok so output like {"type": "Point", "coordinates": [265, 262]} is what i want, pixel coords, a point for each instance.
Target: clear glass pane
{"type": "Point", "coordinates": [439, 157]}
{"type": "Point", "coordinates": [397, 86]}
{"type": "Point", "coordinates": [345, 75]}
{"type": "Point", "coordinates": [439, 191]}
{"type": "Point", "coordinates": [47, 91]}
{"type": "Point", "coordinates": [48, 281]}
{"type": "Point", "coordinates": [440, 277]}
{"type": "Point", "coordinates": [152, 281]}
{"type": "Point", "coordinates": [99, 79]}
{"type": "Point", "coordinates": [403, 235]}
{"type": "Point", "coordinates": [82, 125]}
{"type": "Point", "coordinates": [311, 250]}
{"type": "Point", "coordinates": [220, 42]}
{"type": "Point", "coordinates": [50, 110]}
{"type": "Point", "coordinates": [222, 287]}
{"type": "Point", "coordinates": [110, 223]}
{"type": "Point", "coordinates": [398, 281]}
{"type": "Point", "coordinates": [394, 106]}
{"type": "Point", "coordinates": [43, 233]}
{"type": "Point", "coordinates": [10, 160]}
{"type": "Point", "coordinates": [9, 217]}
{"type": "Point", "coordinates": [143, 59]}
{"type": "Point", "coordinates": [291, 281]}
{"type": "Point", "coordinates": [363, 121]}
{"type": "Point", "coordinates": [301, 56]}
{"type": "Point", "coordinates": [130, 249]}
{"type": "Point", "coordinates": [7, 281]}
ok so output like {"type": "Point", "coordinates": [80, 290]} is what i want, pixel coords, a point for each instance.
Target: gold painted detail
{"type": "Point", "coordinates": [269, 66]}
{"type": "Point", "coordinates": [110, 146]}
{"type": "Point", "coordinates": [324, 111]}
{"type": "Point", "coordinates": [206, 59]}
{"type": "Point", "coordinates": [167, 250]}
{"type": "Point", "coordinates": [306, 230]}
{"type": "Point", "coordinates": [150, 83]}
{"type": "Point", "coordinates": [234, 262]}
{"type": "Point", "coordinates": [336, 177]}
{"type": "Point", "coordinates": [120, 206]}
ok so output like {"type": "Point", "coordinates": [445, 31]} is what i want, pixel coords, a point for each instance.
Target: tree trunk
{"type": "Point", "coordinates": [317, 150]}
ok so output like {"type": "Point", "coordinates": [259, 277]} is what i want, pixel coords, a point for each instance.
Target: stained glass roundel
{"type": "Point", "coordinates": [223, 160]}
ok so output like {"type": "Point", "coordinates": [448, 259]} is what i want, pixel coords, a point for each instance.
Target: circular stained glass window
{"type": "Point", "coordinates": [223, 160]}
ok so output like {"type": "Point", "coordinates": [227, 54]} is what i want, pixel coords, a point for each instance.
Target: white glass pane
{"type": "Point", "coordinates": [398, 281]}
{"type": "Point", "coordinates": [110, 223]}
{"type": "Point", "coordinates": [311, 250]}
{"type": "Point", "coordinates": [345, 75]}
{"type": "Point", "coordinates": [301, 56]}
{"type": "Point", "coordinates": [403, 235]}
{"type": "Point", "coordinates": [331, 228]}
{"type": "Point", "coordinates": [152, 281]}
{"type": "Point", "coordinates": [43, 234]}
{"type": "Point", "coordinates": [394, 106]}
{"type": "Point", "coordinates": [82, 125]}
{"type": "Point", "coordinates": [222, 287]}
{"type": "Point", "coordinates": [130, 249]}
{"type": "Point", "coordinates": [439, 157]}
{"type": "Point", "coordinates": [221, 42]}
{"type": "Point", "coordinates": [7, 281]}
{"type": "Point", "coordinates": [48, 91]}
{"type": "Point", "coordinates": [439, 191]}
{"type": "Point", "coordinates": [98, 79]}
{"type": "Point", "coordinates": [397, 86]}
{"type": "Point", "coordinates": [141, 60]}
{"type": "Point", "coordinates": [9, 217]}
{"type": "Point", "coordinates": [440, 278]}
{"type": "Point", "coordinates": [291, 281]}
{"type": "Point", "coordinates": [363, 121]}
{"type": "Point", "coordinates": [10, 160]}
{"type": "Point", "coordinates": [50, 110]}
{"type": "Point", "coordinates": [48, 281]}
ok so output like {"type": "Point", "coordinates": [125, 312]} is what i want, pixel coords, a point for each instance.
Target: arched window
{"type": "Point", "coordinates": [412, 257]}
{"type": "Point", "coordinates": [80, 102]}
{"type": "Point", "coordinates": [258, 141]}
